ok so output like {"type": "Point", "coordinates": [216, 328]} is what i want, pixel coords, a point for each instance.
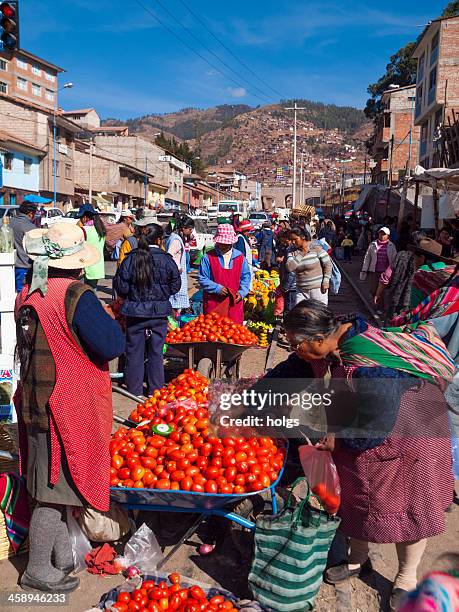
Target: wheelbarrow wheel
{"type": "Point", "coordinates": [251, 508]}
{"type": "Point", "coordinates": [206, 368]}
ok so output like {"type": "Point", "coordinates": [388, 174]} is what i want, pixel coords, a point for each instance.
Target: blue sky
{"type": "Point", "coordinates": [125, 64]}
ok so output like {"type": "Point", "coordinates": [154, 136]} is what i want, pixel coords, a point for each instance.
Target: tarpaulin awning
{"type": "Point", "coordinates": [363, 197]}
{"type": "Point", "coordinates": [36, 199]}
{"type": "Point", "coordinates": [449, 176]}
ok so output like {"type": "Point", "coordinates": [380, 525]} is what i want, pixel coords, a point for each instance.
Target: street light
{"type": "Point", "coordinates": [66, 86]}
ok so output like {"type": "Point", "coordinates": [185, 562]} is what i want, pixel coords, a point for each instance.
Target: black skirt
{"type": "Point", "coordinates": [64, 492]}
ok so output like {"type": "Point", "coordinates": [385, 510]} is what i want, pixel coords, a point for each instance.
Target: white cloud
{"type": "Point", "coordinates": [237, 92]}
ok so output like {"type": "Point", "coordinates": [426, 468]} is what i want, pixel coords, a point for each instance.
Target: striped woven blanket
{"type": "Point", "coordinates": [14, 505]}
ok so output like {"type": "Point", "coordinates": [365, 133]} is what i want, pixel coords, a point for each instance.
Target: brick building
{"type": "Point", "coordinates": [34, 124]}
{"type": "Point", "coordinates": [437, 84]}
{"type": "Point", "coordinates": [28, 78]}
{"type": "Point", "coordinates": [119, 181]}
{"type": "Point", "coordinates": [396, 140]}
{"type": "Point", "coordinates": [87, 118]}
{"type": "Point", "coordinates": [148, 158]}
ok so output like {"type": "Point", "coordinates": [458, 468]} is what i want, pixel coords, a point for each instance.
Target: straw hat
{"type": "Point", "coordinates": [64, 246]}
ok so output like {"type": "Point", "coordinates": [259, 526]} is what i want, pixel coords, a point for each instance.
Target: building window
{"type": "Point", "coordinates": [386, 119]}
{"type": "Point", "coordinates": [433, 79]}
{"type": "Point", "coordinates": [50, 95]}
{"type": "Point", "coordinates": [36, 70]}
{"type": "Point", "coordinates": [36, 89]}
{"type": "Point", "coordinates": [28, 165]}
{"type": "Point", "coordinates": [50, 77]}
{"type": "Point", "coordinates": [57, 168]}
{"type": "Point", "coordinates": [418, 100]}
{"type": "Point", "coordinates": [22, 84]}
{"type": "Point", "coordinates": [422, 61]}
{"type": "Point", "coordinates": [21, 64]}
{"type": "Point", "coordinates": [68, 171]}
{"type": "Point", "coordinates": [3, 87]}
{"type": "Point", "coordinates": [3, 65]}
{"type": "Point", "coordinates": [8, 161]}
{"type": "Point", "coordinates": [434, 48]}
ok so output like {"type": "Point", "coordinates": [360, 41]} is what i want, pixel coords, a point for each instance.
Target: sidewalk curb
{"type": "Point", "coordinates": [362, 298]}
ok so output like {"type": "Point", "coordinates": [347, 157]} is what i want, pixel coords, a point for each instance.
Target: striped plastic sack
{"type": "Point", "coordinates": [291, 551]}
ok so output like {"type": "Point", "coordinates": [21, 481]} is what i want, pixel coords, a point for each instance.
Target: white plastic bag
{"type": "Point", "coordinates": [80, 544]}
{"type": "Point", "coordinates": [105, 526]}
{"type": "Point", "coordinates": [142, 550]}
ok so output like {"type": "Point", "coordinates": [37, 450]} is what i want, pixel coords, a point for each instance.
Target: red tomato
{"type": "Point", "coordinates": [163, 483]}
{"type": "Point", "coordinates": [197, 488]}
{"type": "Point", "coordinates": [211, 487]}
{"type": "Point", "coordinates": [197, 593]}
{"type": "Point", "coordinates": [230, 474]}
{"type": "Point", "coordinates": [117, 462]}
{"type": "Point", "coordinates": [124, 473]}
{"type": "Point", "coordinates": [186, 483]}
{"type": "Point", "coordinates": [174, 578]}
{"type": "Point", "coordinates": [320, 490]}
{"type": "Point", "coordinates": [123, 597]}
{"type": "Point", "coordinates": [121, 607]}
{"type": "Point", "coordinates": [137, 473]}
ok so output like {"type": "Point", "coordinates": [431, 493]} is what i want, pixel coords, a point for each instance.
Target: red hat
{"type": "Point", "coordinates": [246, 226]}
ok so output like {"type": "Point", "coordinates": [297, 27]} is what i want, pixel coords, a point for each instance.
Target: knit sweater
{"type": "Point", "coordinates": [313, 269]}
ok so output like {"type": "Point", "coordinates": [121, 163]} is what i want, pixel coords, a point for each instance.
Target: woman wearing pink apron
{"type": "Point", "coordinates": [224, 276]}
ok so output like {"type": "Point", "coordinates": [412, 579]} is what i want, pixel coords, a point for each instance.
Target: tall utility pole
{"type": "Point", "coordinates": [390, 173]}
{"type": "Point", "coordinates": [302, 177]}
{"type": "Point", "coordinates": [90, 170]}
{"type": "Point", "coordinates": [146, 180]}
{"type": "Point", "coordinates": [295, 110]}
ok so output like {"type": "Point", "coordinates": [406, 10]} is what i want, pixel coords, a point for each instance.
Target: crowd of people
{"type": "Point", "coordinates": [395, 488]}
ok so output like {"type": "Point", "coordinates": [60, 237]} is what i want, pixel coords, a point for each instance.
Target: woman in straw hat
{"type": "Point", "coordinates": [64, 404]}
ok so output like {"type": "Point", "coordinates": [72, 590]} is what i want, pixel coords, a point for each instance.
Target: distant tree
{"type": "Point", "coordinates": [451, 9]}
{"type": "Point", "coordinates": [401, 70]}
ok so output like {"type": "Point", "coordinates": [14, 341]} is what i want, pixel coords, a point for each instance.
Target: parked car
{"type": "Point", "coordinates": [202, 236]}
{"type": "Point", "coordinates": [258, 218]}
{"type": "Point", "coordinates": [8, 210]}
{"type": "Point", "coordinates": [70, 217]}
{"type": "Point", "coordinates": [51, 216]}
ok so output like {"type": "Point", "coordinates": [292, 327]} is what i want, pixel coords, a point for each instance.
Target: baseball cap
{"type": "Point", "coordinates": [384, 229]}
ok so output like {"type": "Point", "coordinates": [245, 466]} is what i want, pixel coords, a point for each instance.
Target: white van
{"type": "Point", "coordinates": [228, 207]}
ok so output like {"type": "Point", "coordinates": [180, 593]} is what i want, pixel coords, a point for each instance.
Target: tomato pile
{"type": "Point", "coordinates": [154, 597]}
{"type": "Point", "coordinates": [189, 385]}
{"type": "Point", "coordinates": [213, 328]}
{"type": "Point", "coordinates": [330, 501]}
{"type": "Point", "coordinates": [189, 459]}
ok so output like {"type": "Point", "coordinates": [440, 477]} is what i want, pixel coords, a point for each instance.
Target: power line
{"type": "Point", "coordinates": [209, 50]}
{"type": "Point", "coordinates": [193, 50]}
{"type": "Point", "coordinates": [229, 50]}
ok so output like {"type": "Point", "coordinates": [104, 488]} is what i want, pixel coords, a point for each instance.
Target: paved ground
{"type": "Point", "coordinates": [226, 567]}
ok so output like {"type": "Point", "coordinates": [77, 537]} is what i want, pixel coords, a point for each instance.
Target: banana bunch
{"type": "Point", "coordinates": [262, 330]}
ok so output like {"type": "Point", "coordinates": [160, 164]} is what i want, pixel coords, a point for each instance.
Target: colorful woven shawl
{"type": "Point", "coordinates": [14, 505]}
{"type": "Point", "coordinates": [441, 302]}
{"type": "Point", "coordinates": [416, 349]}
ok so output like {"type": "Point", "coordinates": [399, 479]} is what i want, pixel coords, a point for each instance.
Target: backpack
{"type": "Point", "coordinates": [335, 280]}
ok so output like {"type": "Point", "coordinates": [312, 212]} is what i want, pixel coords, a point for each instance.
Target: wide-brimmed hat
{"type": "Point", "coordinates": [432, 250]}
{"type": "Point", "coordinates": [145, 222]}
{"type": "Point", "coordinates": [86, 209]}
{"type": "Point", "coordinates": [127, 213]}
{"type": "Point", "coordinates": [62, 246]}
{"type": "Point", "coordinates": [246, 226]}
{"type": "Point", "coordinates": [225, 234]}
